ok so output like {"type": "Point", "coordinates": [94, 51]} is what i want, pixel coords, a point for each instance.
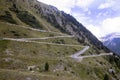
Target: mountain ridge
{"type": "Point", "coordinates": [37, 42]}
{"type": "Point", "coordinates": [64, 22]}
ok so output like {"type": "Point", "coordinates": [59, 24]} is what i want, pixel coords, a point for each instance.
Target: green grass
{"type": "Point", "coordinates": [7, 17]}
{"type": "Point", "coordinates": [34, 11]}
{"type": "Point", "coordinates": [34, 49]}
{"type": "Point", "coordinates": [24, 54]}
{"type": "Point", "coordinates": [23, 15]}
{"type": "Point", "coordinates": [4, 5]}
{"type": "Point", "coordinates": [15, 57]}
{"type": "Point", "coordinates": [15, 31]}
{"type": "Point", "coordinates": [91, 68]}
{"type": "Point", "coordinates": [29, 19]}
{"type": "Point", "coordinates": [3, 45]}
{"type": "Point", "coordinates": [46, 25]}
{"type": "Point", "coordinates": [24, 75]}
{"type": "Point", "coordinates": [28, 54]}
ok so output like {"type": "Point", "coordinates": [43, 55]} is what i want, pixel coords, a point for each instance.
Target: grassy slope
{"type": "Point", "coordinates": [14, 31]}
{"type": "Point", "coordinates": [17, 56]}
{"type": "Point", "coordinates": [20, 55]}
{"type": "Point", "coordinates": [33, 11]}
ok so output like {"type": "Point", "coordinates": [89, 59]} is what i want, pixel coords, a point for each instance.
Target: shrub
{"type": "Point", "coordinates": [7, 17]}
{"type": "Point", "coordinates": [29, 19]}
{"type": "Point", "coordinates": [106, 77]}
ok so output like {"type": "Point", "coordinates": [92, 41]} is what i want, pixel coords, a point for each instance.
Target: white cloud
{"type": "Point", "coordinates": [95, 30]}
{"type": "Point", "coordinates": [64, 5]}
{"type": "Point", "coordinates": [111, 4]}
{"type": "Point", "coordinates": [80, 17]}
{"type": "Point", "coordinates": [110, 25]}
{"type": "Point", "coordinates": [107, 4]}
{"type": "Point", "coordinates": [90, 20]}
{"type": "Point", "coordinates": [67, 5]}
{"type": "Point", "coordinates": [84, 4]}
{"type": "Point", "coordinates": [116, 6]}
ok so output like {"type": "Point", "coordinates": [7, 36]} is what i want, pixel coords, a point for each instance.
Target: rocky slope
{"type": "Point", "coordinates": [31, 46]}
{"type": "Point", "coordinates": [58, 19]}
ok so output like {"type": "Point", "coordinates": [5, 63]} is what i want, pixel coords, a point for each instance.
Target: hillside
{"type": "Point", "coordinates": [39, 42]}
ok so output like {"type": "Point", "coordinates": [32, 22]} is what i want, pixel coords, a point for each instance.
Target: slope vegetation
{"type": "Point", "coordinates": [37, 41]}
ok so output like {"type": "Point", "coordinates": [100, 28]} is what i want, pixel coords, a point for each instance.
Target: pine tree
{"type": "Point", "coordinates": [46, 66]}
{"type": "Point", "coordinates": [106, 77]}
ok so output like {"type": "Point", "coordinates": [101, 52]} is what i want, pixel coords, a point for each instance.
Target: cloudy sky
{"type": "Point", "coordinates": [101, 17]}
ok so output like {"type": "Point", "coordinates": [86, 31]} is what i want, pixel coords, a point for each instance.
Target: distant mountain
{"type": "Point", "coordinates": [112, 41]}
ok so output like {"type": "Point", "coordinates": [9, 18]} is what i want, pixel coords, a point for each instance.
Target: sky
{"type": "Point", "coordinates": [101, 17]}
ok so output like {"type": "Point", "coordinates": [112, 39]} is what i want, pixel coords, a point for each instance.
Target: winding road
{"type": "Point", "coordinates": [47, 37]}
{"type": "Point", "coordinates": [102, 54]}
{"type": "Point", "coordinates": [24, 40]}
{"type": "Point", "coordinates": [75, 56]}
{"type": "Point", "coordinates": [34, 29]}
